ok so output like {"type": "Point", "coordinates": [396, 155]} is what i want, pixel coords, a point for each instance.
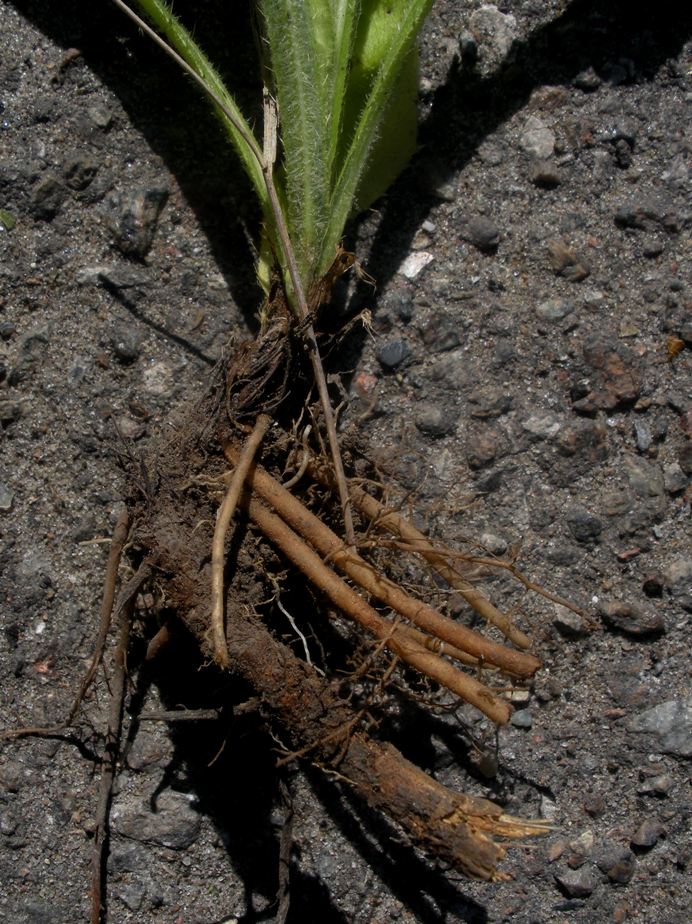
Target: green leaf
{"type": "Point", "coordinates": [387, 33]}
{"type": "Point", "coordinates": [7, 220]}
{"type": "Point", "coordinates": [162, 18]}
{"type": "Point", "coordinates": [395, 143]}
{"type": "Point", "coordinates": [306, 67]}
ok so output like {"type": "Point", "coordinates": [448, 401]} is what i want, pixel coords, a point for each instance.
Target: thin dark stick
{"type": "Point", "coordinates": [120, 534]}
{"type": "Point", "coordinates": [109, 761]}
{"type": "Point", "coordinates": [118, 541]}
{"type": "Point", "coordinates": [285, 844]}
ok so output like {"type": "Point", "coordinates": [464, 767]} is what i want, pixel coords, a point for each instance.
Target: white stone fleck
{"type": "Point", "coordinates": [414, 263]}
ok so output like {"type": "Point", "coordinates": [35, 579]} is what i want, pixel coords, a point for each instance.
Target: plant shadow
{"type": "Point", "coordinates": [621, 41]}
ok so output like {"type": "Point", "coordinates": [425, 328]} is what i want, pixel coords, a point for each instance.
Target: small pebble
{"type": "Point", "coordinates": [159, 379]}
{"type": "Point", "coordinates": [643, 435]}
{"type": "Point", "coordinates": [587, 80]}
{"type": "Point", "coordinates": [659, 785]}
{"type": "Point", "coordinates": [555, 309]}
{"type": "Point", "coordinates": [441, 334]}
{"type": "Point", "coordinates": [541, 426]}
{"type": "Point", "coordinates": [435, 420]}
{"type": "Point", "coordinates": [482, 233]}
{"type": "Point", "coordinates": [175, 823]}
{"type": "Point", "coordinates": [644, 215]}
{"type": "Point", "coordinates": [494, 544]}
{"type": "Point", "coordinates": [522, 718]}
{"type": "Point", "coordinates": [595, 805]}
{"type": "Point", "coordinates": [685, 457]}
{"type": "Point", "coordinates": [568, 623]}
{"type": "Point", "coordinates": [393, 353]}
{"type": "Point", "coordinates": [671, 721]}
{"type": "Point", "coordinates": [6, 497]}
{"type": "Point", "coordinates": [491, 154]}
{"type": "Point", "coordinates": [79, 170]}
{"type": "Point", "coordinates": [494, 33]}
{"type": "Point", "coordinates": [537, 139]}
{"type": "Point", "coordinates": [131, 894]}
{"type": "Point", "coordinates": [566, 263]}
{"type": "Point", "coordinates": [632, 620]}
{"type": "Point", "coordinates": [481, 448]}
{"type": "Point", "coordinates": [126, 344]}
{"type": "Point", "coordinates": [489, 401]}
{"type": "Point", "coordinates": [652, 248]}
{"type": "Point", "coordinates": [128, 428]}
{"type": "Point", "coordinates": [577, 883]}
{"type": "Point", "coordinates": [618, 863]}
{"type": "Point", "coordinates": [647, 834]}
{"type": "Point", "coordinates": [100, 115]}
{"type": "Point", "coordinates": [519, 696]}
{"type": "Point", "coordinates": [548, 808]}
{"type": "Point", "coordinates": [584, 526]}
{"type": "Point", "coordinates": [678, 576]}
{"type": "Point", "coordinates": [10, 411]}
{"type": "Point", "coordinates": [645, 478]}
{"type": "Point", "coordinates": [47, 197]}
{"type": "Point", "coordinates": [12, 775]}
{"type": "Point", "coordinates": [415, 263]}
{"type": "Point", "coordinates": [674, 479]}
{"type": "Point", "coordinates": [134, 218]}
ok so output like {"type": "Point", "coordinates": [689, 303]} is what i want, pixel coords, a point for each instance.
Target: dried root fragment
{"type": "Point", "coordinates": [299, 534]}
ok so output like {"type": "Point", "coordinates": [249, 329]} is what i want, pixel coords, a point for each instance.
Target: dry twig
{"type": "Point", "coordinates": [110, 754]}
{"type": "Point", "coordinates": [118, 541]}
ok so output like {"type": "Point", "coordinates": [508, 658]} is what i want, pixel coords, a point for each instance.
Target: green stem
{"type": "Point", "coordinates": [180, 44]}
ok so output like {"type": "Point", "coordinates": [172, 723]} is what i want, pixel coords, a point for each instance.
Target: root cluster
{"type": "Point", "coordinates": [211, 532]}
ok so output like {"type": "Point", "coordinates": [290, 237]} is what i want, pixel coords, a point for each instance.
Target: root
{"type": "Point", "coordinates": [456, 828]}
{"type": "Point", "coordinates": [347, 600]}
{"type": "Point", "coordinates": [223, 519]}
{"type": "Point", "coordinates": [109, 762]}
{"type": "Point", "coordinates": [394, 523]}
{"type": "Point", "coordinates": [347, 560]}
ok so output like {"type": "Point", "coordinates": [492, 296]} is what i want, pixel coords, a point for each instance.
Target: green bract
{"type": "Point", "coordinates": [344, 76]}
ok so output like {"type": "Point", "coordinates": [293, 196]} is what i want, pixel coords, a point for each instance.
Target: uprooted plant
{"type": "Point", "coordinates": [339, 113]}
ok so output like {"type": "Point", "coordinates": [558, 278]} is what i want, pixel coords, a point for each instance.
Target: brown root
{"type": "Point", "coordinates": [218, 547]}
{"type": "Point", "coordinates": [120, 534]}
{"type": "Point", "coordinates": [349, 602]}
{"type": "Point", "coordinates": [456, 828]}
{"type": "Point", "coordinates": [392, 522]}
{"type": "Point", "coordinates": [347, 560]}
